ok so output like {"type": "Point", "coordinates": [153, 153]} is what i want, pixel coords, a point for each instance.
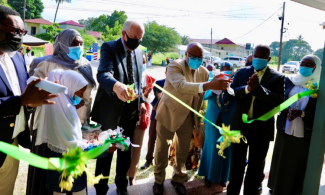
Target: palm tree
{"type": "Point", "coordinates": [58, 2]}
{"type": "Point", "coordinates": [300, 38]}
{"type": "Point", "coordinates": [185, 40]}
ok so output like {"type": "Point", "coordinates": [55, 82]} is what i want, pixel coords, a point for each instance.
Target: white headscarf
{"type": "Point", "coordinates": [300, 80]}
{"type": "Point", "coordinates": [60, 126]}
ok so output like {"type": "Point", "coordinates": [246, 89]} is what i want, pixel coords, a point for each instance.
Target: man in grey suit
{"type": "Point", "coordinates": [120, 65]}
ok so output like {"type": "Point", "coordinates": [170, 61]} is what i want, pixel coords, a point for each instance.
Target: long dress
{"type": "Point", "coordinates": [213, 166]}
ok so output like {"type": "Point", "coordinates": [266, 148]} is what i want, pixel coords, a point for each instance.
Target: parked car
{"type": "Point", "coordinates": [206, 60]}
{"type": "Point", "coordinates": [291, 66]}
{"type": "Point", "coordinates": [236, 61]}
{"type": "Point", "coordinates": [216, 61]}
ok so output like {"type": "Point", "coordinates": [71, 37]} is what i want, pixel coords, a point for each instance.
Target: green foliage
{"type": "Point", "coordinates": [160, 38]}
{"type": "Point", "coordinates": [185, 40]}
{"type": "Point", "coordinates": [173, 56]}
{"type": "Point", "coordinates": [88, 39]}
{"type": "Point", "coordinates": [87, 22]}
{"type": "Point", "coordinates": [292, 50]}
{"type": "Point", "coordinates": [319, 53]}
{"type": "Point", "coordinates": [51, 32]}
{"type": "Point", "coordinates": [274, 60]}
{"type": "Point", "coordinates": [112, 33]}
{"type": "Point", "coordinates": [100, 23]}
{"type": "Point", "coordinates": [34, 8]}
{"type": "Point", "coordinates": [5, 3]}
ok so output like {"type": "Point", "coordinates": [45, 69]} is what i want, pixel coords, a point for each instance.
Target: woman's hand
{"type": "Point", "coordinates": [146, 91]}
{"type": "Point", "coordinates": [293, 114]}
{"type": "Point", "coordinates": [112, 148]}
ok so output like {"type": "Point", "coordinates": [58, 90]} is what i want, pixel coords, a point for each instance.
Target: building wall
{"type": "Point", "coordinates": [226, 53]}
{"type": "Point", "coordinates": [66, 26]}
{"type": "Point", "coordinates": [28, 26]}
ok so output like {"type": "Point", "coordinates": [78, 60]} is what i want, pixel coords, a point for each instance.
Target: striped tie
{"type": "Point", "coordinates": [130, 68]}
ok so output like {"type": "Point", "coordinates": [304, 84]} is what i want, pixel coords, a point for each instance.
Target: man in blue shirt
{"type": "Point", "coordinates": [152, 128]}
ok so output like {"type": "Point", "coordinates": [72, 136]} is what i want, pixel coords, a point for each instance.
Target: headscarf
{"type": "Point", "coordinates": [60, 126]}
{"type": "Point", "coordinates": [230, 65]}
{"type": "Point", "coordinates": [300, 80]}
{"type": "Point", "coordinates": [60, 55]}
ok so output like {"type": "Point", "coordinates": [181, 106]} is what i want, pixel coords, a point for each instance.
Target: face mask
{"type": "Point", "coordinates": [305, 71]}
{"type": "Point", "coordinates": [195, 63]}
{"type": "Point", "coordinates": [143, 67]}
{"type": "Point", "coordinates": [211, 75]}
{"type": "Point", "coordinates": [259, 64]}
{"type": "Point", "coordinates": [227, 72]}
{"type": "Point", "coordinates": [12, 42]}
{"type": "Point", "coordinates": [76, 52]}
{"type": "Point", "coordinates": [132, 43]}
{"type": "Point", "coordinates": [248, 63]}
{"type": "Point", "coordinates": [76, 100]}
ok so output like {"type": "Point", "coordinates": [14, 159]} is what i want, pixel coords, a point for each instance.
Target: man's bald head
{"type": "Point", "coordinates": [133, 30]}
{"type": "Point", "coordinates": [195, 49]}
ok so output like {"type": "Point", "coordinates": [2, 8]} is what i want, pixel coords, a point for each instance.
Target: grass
{"type": "Point", "coordinates": [159, 57]}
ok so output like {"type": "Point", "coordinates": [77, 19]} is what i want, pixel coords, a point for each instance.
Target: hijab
{"type": "Point", "coordinates": [300, 80]}
{"type": "Point", "coordinates": [60, 126]}
{"type": "Point", "coordinates": [60, 55]}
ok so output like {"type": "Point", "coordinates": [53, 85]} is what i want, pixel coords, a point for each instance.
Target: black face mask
{"type": "Point", "coordinates": [132, 43]}
{"type": "Point", "coordinates": [248, 64]}
{"type": "Point", "coordinates": [12, 42]}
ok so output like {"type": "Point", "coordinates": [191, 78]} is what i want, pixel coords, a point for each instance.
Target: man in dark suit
{"type": "Point", "coordinates": [16, 99]}
{"type": "Point", "coordinates": [120, 64]}
{"type": "Point", "coordinates": [257, 89]}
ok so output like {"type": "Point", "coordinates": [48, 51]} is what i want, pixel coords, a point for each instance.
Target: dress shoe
{"type": "Point", "coordinates": [122, 191]}
{"type": "Point", "coordinates": [179, 188]}
{"type": "Point", "coordinates": [207, 182]}
{"type": "Point", "coordinates": [146, 165]}
{"type": "Point", "coordinates": [158, 189]}
{"type": "Point", "coordinates": [271, 191]}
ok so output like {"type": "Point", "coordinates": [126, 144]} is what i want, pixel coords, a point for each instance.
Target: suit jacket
{"type": "Point", "coordinates": [309, 113]}
{"type": "Point", "coordinates": [107, 109]}
{"type": "Point", "coordinates": [35, 63]}
{"type": "Point", "coordinates": [180, 83]}
{"type": "Point", "coordinates": [268, 95]}
{"type": "Point", "coordinates": [10, 105]}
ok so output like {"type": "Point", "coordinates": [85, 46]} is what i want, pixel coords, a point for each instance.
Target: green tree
{"type": "Point", "coordinates": [112, 33]}
{"type": "Point", "coordinates": [185, 40]}
{"type": "Point", "coordinates": [275, 46]}
{"type": "Point", "coordinates": [51, 32]}
{"type": "Point", "coordinates": [5, 3]}
{"type": "Point", "coordinates": [160, 38]}
{"type": "Point", "coordinates": [88, 39]}
{"type": "Point", "coordinates": [34, 8]}
{"type": "Point", "coordinates": [319, 53]}
{"type": "Point", "coordinates": [87, 22]}
{"type": "Point", "coordinates": [57, 7]}
{"type": "Point", "coordinates": [295, 49]}
{"type": "Point", "coordinates": [100, 23]}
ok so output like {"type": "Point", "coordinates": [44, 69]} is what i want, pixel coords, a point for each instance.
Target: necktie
{"type": "Point", "coordinates": [130, 68]}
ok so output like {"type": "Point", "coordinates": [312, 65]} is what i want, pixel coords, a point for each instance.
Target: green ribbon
{"type": "Point", "coordinates": [279, 108]}
{"type": "Point", "coordinates": [119, 140]}
{"type": "Point", "coordinates": [132, 88]}
{"type": "Point", "coordinates": [188, 107]}
{"type": "Point", "coordinates": [228, 133]}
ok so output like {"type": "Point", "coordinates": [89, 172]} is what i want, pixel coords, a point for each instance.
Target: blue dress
{"type": "Point", "coordinates": [213, 166]}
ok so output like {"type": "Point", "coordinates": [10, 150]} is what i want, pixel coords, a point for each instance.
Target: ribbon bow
{"type": "Point", "coordinates": [312, 86]}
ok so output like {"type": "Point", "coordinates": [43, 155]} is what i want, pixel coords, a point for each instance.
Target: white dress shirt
{"type": "Point", "coordinates": [12, 77]}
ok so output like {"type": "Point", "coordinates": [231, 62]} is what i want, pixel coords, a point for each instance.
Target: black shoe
{"type": "Point", "coordinates": [179, 187]}
{"type": "Point", "coordinates": [207, 182]}
{"type": "Point", "coordinates": [146, 165]}
{"type": "Point", "coordinates": [158, 189]}
{"type": "Point", "coordinates": [122, 191]}
{"type": "Point", "coordinates": [271, 191]}
{"type": "Point", "coordinates": [223, 184]}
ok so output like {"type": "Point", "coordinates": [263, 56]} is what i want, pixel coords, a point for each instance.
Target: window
{"type": "Point", "coordinates": [222, 49]}
{"type": "Point", "coordinates": [226, 53]}
{"type": "Point", "coordinates": [226, 58]}
{"type": "Point", "coordinates": [33, 30]}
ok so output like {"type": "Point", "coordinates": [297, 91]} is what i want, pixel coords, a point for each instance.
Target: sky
{"type": "Point", "coordinates": [242, 21]}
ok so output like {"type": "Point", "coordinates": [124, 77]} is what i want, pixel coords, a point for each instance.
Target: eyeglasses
{"type": "Point", "coordinates": [17, 30]}
{"type": "Point", "coordinates": [194, 57]}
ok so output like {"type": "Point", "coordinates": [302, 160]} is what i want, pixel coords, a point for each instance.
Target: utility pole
{"type": "Point", "coordinates": [24, 9]}
{"type": "Point", "coordinates": [211, 42]}
{"type": "Point", "coordinates": [280, 50]}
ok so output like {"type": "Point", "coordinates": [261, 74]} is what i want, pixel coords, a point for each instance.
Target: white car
{"type": "Point", "coordinates": [216, 61]}
{"type": "Point", "coordinates": [236, 61]}
{"type": "Point", "coordinates": [291, 66]}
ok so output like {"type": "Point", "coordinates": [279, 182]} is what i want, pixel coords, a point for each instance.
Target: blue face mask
{"type": "Point", "coordinates": [76, 100]}
{"type": "Point", "coordinates": [143, 67]}
{"type": "Point", "coordinates": [211, 75]}
{"type": "Point", "coordinates": [227, 72]}
{"type": "Point", "coordinates": [76, 53]}
{"type": "Point", "coordinates": [195, 63]}
{"type": "Point", "coordinates": [259, 64]}
{"type": "Point", "coordinates": [305, 71]}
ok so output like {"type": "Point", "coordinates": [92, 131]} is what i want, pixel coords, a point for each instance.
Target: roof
{"type": "Point", "coordinates": [33, 41]}
{"type": "Point", "coordinates": [72, 23]}
{"type": "Point", "coordinates": [204, 41]}
{"type": "Point", "coordinates": [39, 21]}
{"type": "Point", "coordinates": [95, 34]}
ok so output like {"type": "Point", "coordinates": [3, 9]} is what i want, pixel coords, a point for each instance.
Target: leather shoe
{"type": "Point", "coordinates": [158, 189]}
{"type": "Point", "coordinates": [207, 182]}
{"type": "Point", "coordinates": [271, 191]}
{"type": "Point", "coordinates": [179, 187]}
{"type": "Point", "coordinates": [145, 166]}
{"type": "Point", "coordinates": [122, 191]}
